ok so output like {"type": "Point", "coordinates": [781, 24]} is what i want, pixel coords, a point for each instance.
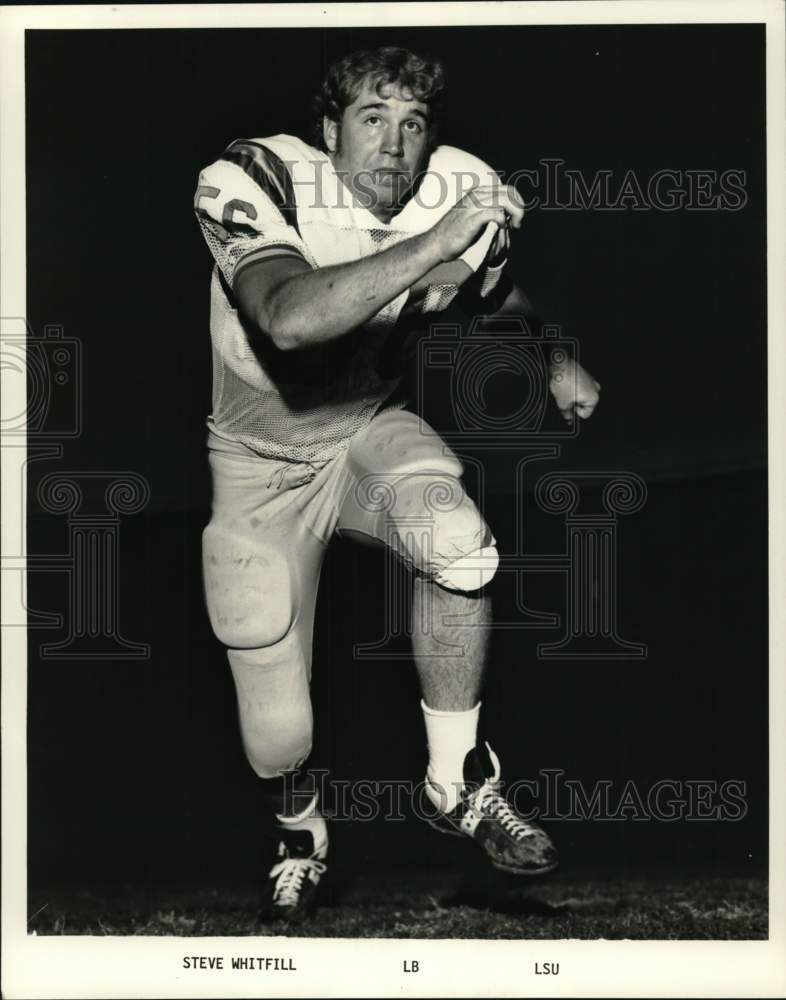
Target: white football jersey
{"type": "Point", "coordinates": [278, 197]}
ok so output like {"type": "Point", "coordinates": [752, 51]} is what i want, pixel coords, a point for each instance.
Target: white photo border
{"type": "Point", "coordinates": [50, 966]}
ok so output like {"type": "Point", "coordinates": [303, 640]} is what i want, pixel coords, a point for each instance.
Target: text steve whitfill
{"type": "Point", "coordinates": [248, 962]}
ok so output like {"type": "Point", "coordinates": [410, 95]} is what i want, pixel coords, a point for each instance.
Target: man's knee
{"type": "Point", "coordinates": [470, 572]}
{"type": "Point", "coordinates": [442, 533]}
{"type": "Point", "coordinates": [248, 589]}
{"type": "Point", "coordinates": [465, 556]}
{"type": "Point", "coordinates": [273, 758]}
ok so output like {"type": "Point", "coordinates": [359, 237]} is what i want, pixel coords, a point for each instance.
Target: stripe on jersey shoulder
{"type": "Point", "coordinates": [269, 172]}
{"type": "Point", "coordinates": [275, 251]}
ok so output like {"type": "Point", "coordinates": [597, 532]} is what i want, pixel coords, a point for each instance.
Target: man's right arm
{"type": "Point", "coordinates": [298, 307]}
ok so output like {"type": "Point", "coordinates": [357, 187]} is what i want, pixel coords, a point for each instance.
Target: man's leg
{"type": "Point", "coordinates": [403, 489]}
{"type": "Point", "coordinates": [261, 571]}
{"type": "Point", "coordinates": [450, 641]}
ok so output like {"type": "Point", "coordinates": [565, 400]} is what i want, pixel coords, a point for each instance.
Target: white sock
{"type": "Point", "coordinates": [450, 736]}
{"type": "Point", "coordinates": [312, 820]}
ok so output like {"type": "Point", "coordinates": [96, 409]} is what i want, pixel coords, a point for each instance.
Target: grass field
{"type": "Point", "coordinates": [433, 905]}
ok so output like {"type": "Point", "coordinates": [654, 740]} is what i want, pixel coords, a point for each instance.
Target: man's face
{"type": "Point", "coordinates": [379, 146]}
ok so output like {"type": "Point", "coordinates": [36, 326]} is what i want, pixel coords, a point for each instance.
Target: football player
{"type": "Point", "coordinates": [326, 257]}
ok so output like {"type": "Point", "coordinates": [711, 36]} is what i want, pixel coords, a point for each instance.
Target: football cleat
{"type": "Point", "coordinates": [512, 843]}
{"type": "Point", "coordinates": [290, 893]}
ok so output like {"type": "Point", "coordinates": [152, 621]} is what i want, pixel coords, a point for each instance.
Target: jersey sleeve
{"type": "Point", "coordinates": [494, 265]}
{"type": "Point", "coordinates": [488, 255]}
{"type": "Point", "coordinates": [245, 205]}
{"type": "Point", "coordinates": [491, 249]}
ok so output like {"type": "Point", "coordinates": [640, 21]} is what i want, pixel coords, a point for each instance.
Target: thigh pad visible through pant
{"type": "Point", "coordinates": [261, 559]}
{"type": "Point", "coordinates": [248, 588]}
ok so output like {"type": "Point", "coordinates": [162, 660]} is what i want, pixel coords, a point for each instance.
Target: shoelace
{"type": "Point", "coordinates": [289, 874]}
{"type": "Point", "coordinates": [488, 801]}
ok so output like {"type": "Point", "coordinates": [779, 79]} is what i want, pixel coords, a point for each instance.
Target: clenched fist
{"type": "Point", "coordinates": [573, 388]}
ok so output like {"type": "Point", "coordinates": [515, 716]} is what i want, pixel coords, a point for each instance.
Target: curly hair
{"type": "Point", "coordinates": [421, 75]}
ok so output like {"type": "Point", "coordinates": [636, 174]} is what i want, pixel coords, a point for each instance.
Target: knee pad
{"type": "Point", "coordinates": [248, 589]}
{"type": "Point", "coordinates": [442, 534]}
{"type": "Point", "coordinates": [470, 572]}
{"type": "Point", "coordinates": [274, 706]}
{"type": "Point", "coordinates": [278, 762]}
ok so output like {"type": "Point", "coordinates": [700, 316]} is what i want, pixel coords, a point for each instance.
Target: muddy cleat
{"type": "Point", "coordinates": [291, 890]}
{"type": "Point", "coordinates": [512, 843]}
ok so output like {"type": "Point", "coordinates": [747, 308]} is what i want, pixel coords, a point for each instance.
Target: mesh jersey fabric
{"type": "Point", "coordinates": [278, 197]}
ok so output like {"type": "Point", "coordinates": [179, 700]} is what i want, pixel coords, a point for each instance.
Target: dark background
{"type": "Point", "coordinates": [135, 768]}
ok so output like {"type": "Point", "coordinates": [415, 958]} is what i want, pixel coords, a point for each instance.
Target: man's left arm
{"type": "Point", "coordinates": [573, 388]}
